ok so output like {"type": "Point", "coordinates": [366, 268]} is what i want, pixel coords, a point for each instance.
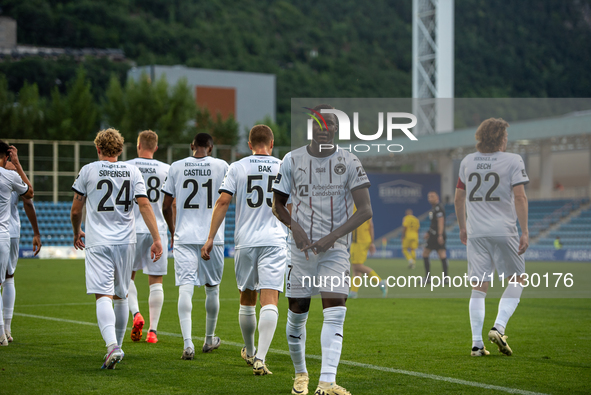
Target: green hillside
{"type": "Point", "coordinates": [322, 48]}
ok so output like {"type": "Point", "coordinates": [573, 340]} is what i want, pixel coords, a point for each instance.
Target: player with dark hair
{"type": "Point", "coordinates": [10, 181]}
{"type": "Point", "coordinates": [491, 194]}
{"type": "Point", "coordinates": [8, 287]}
{"type": "Point", "coordinates": [324, 186]}
{"type": "Point", "coordinates": [260, 243]}
{"type": "Point", "coordinates": [435, 236]}
{"type": "Point", "coordinates": [194, 182]}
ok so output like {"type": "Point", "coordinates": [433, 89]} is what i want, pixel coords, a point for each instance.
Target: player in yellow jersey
{"type": "Point", "coordinates": [410, 237]}
{"type": "Point", "coordinates": [362, 242]}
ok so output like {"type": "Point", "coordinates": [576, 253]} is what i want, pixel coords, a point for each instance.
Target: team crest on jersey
{"type": "Point", "coordinates": [340, 169]}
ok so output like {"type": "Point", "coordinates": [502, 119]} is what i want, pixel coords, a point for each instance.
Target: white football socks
{"type": "Point", "coordinates": [268, 317]}
{"type": "Point", "coordinates": [331, 339]}
{"type": "Point", "coordinates": [507, 305]}
{"type": "Point", "coordinates": [1, 317]}
{"type": "Point", "coordinates": [212, 308]}
{"type": "Point", "coordinates": [295, 331]}
{"type": "Point", "coordinates": [248, 324]}
{"type": "Point", "coordinates": [105, 317]}
{"type": "Point", "coordinates": [477, 310]}
{"type": "Point", "coordinates": [121, 309]}
{"type": "Point", "coordinates": [8, 298]}
{"type": "Point", "coordinates": [184, 308]}
{"type": "Point", "coordinates": [132, 299]}
{"type": "Point", "coordinates": [155, 302]}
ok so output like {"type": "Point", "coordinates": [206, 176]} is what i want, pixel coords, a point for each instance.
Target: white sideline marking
{"type": "Point", "coordinates": [94, 303]}
{"type": "Point", "coordinates": [318, 357]}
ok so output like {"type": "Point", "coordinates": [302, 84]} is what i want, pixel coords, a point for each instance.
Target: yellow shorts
{"type": "Point", "coordinates": [359, 253]}
{"type": "Point", "coordinates": [413, 244]}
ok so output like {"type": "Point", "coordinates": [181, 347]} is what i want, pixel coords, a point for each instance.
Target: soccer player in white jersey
{"type": "Point", "coordinates": [108, 189]}
{"type": "Point", "coordinates": [490, 191]}
{"type": "Point", "coordinates": [8, 288]}
{"type": "Point", "coordinates": [323, 185]}
{"type": "Point", "coordinates": [260, 243]}
{"type": "Point", "coordinates": [154, 173]}
{"type": "Point", "coordinates": [194, 182]}
{"type": "Point", "coordinates": [10, 181]}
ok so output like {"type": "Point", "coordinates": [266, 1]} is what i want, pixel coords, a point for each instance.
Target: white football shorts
{"type": "Point", "coordinates": [326, 272]}
{"type": "Point", "coordinates": [14, 247]}
{"type": "Point", "coordinates": [191, 269]}
{"type": "Point", "coordinates": [142, 255]}
{"type": "Point", "coordinates": [108, 269]}
{"type": "Point", "coordinates": [260, 268]}
{"type": "Point", "coordinates": [4, 258]}
{"type": "Point", "coordinates": [485, 254]}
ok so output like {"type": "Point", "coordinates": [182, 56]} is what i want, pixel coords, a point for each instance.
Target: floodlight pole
{"type": "Point", "coordinates": [433, 65]}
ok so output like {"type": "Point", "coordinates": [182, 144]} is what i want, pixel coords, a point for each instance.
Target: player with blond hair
{"type": "Point", "coordinates": [154, 173]}
{"type": "Point", "coordinates": [108, 188]}
{"type": "Point", "coordinates": [491, 194]}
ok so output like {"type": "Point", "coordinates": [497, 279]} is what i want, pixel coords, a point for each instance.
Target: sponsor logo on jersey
{"type": "Point", "coordinates": [523, 173]}
{"type": "Point", "coordinates": [321, 170]}
{"type": "Point", "coordinates": [327, 190]}
{"type": "Point", "coordinates": [303, 190]}
{"type": "Point", "coordinates": [340, 169]}
{"type": "Point", "coordinates": [304, 170]}
{"type": "Point", "coordinates": [278, 178]}
{"type": "Point", "coordinates": [360, 171]}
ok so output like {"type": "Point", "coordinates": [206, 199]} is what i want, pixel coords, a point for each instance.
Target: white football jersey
{"type": "Point", "coordinates": [9, 181]}
{"type": "Point", "coordinates": [251, 180]}
{"type": "Point", "coordinates": [194, 182]}
{"type": "Point", "coordinates": [154, 173]}
{"type": "Point", "coordinates": [15, 220]}
{"type": "Point", "coordinates": [489, 180]}
{"type": "Point", "coordinates": [110, 189]}
{"type": "Point", "coordinates": [320, 189]}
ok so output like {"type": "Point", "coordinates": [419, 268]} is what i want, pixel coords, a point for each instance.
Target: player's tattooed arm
{"type": "Point", "coordinates": [169, 212]}
{"type": "Point", "coordinates": [521, 208]}
{"type": "Point", "coordinates": [32, 215]}
{"type": "Point", "coordinates": [13, 156]}
{"type": "Point", "coordinates": [363, 213]}
{"type": "Point", "coordinates": [460, 205]}
{"type": "Point", "coordinates": [282, 212]}
{"type": "Point", "coordinates": [76, 218]}
{"type": "Point", "coordinates": [150, 221]}
{"type": "Point", "coordinates": [217, 217]}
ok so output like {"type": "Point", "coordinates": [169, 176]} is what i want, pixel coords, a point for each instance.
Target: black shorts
{"type": "Point", "coordinates": [432, 243]}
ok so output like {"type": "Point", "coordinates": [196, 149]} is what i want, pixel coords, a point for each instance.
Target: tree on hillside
{"type": "Point", "coordinates": [146, 104]}
{"type": "Point", "coordinates": [75, 115]}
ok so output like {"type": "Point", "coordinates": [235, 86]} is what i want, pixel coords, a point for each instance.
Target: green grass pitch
{"type": "Point", "coordinates": [409, 343]}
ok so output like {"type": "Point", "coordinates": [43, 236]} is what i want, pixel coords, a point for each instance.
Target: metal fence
{"type": "Point", "coordinates": [52, 166]}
